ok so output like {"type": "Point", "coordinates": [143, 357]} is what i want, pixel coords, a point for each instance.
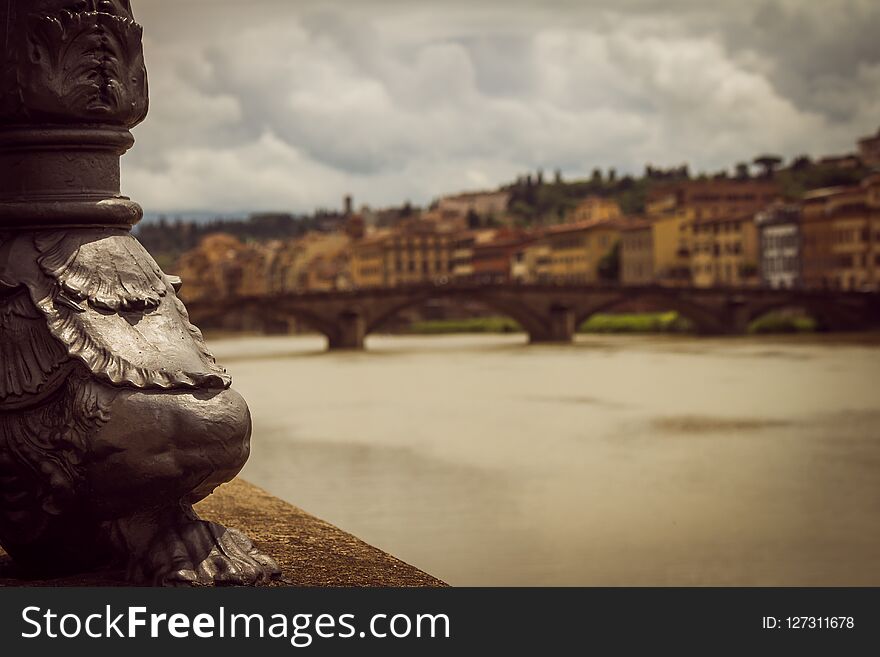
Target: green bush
{"type": "Point", "coordinates": [668, 322]}
{"type": "Point", "coordinates": [782, 323]}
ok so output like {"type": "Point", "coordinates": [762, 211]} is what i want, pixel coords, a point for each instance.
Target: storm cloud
{"type": "Point", "coordinates": [286, 105]}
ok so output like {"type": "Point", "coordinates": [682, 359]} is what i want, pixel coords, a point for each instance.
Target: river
{"type": "Point", "coordinates": [614, 461]}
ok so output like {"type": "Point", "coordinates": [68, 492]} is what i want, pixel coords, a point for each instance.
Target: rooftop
{"type": "Point", "coordinates": [579, 226]}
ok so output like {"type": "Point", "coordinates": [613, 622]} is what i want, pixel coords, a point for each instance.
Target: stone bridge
{"type": "Point", "coordinates": [548, 312]}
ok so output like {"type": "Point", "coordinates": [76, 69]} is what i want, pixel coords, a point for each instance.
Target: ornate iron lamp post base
{"type": "Point", "coordinates": [114, 417]}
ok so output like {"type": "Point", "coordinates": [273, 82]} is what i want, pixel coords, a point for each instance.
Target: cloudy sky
{"type": "Point", "coordinates": [289, 104]}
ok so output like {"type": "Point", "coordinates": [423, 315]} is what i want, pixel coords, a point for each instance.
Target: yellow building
{"type": "Point", "coordinates": [368, 260]}
{"type": "Point", "coordinates": [725, 252]}
{"type": "Point", "coordinates": [577, 249]}
{"type": "Point", "coordinates": [595, 208]}
{"type": "Point", "coordinates": [675, 208]}
{"type": "Point", "coordinates": [671, 240]}
{"type": "Point", "coordinates": [414, 252]}
{"type": "Point", "coordinates": [637, 253]}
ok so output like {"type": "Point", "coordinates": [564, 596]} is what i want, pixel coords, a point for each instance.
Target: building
{"type": "Point", "coordinates": [483, 204]}
{"type": "Point", "coordinates": [222, 266]}
{"type": "Point", "coordinates": [671, 244]}
{"type": "Point", "coordinates": [577, 249]}
{"type": "Point", "coordinates": [841, 237]}
{"type": "Point", "coordinates": [464, 245]}
{"type": "Point", "coordinates": [462, 263]}
{"type": "Point", "coordinates": [368, 260]}
{"type": "Point", "coordinates": [494, 258]}
{"type": "Point", "coordinates": [675, 208]}
{"type": "Point", "coordinates": [869, 150]}
{"type": "Point", "coordinates": [779, 246]}
{"type": "Point", "coordinates": [531, 262]}
{"type": "Point", "coordinates": [355, 226]}
{"type": "Point", "coordinates": [843, 162]}
{"type": "Point", "coordinates": [816, 258]}
{"type": "Point", "coordinates": [724, 252]}
{"type": "Point", "coordinates": [855, 237]}
{"type": "Point", "coordinates": [595, 208]}
{"type": "Point", "coordinates": [637, 252]}
{"type": "Point", "coordinates": [415, 252]}
{"type": "Point", "coordinates": [315, 262]}
{"type": "Point", "coordinates": [327, 272]}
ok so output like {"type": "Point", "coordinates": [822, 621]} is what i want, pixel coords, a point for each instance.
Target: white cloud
{"type": "Point", "coordinates": [279, 105]}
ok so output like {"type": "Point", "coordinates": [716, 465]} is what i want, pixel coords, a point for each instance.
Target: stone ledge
{"type": "Point", "coordinates": [311, 552]}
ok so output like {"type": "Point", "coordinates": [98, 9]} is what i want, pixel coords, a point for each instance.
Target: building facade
{"type": "Point", "coordinates": [724, 252]}
{"type": "Point", "coordinates": [532, 262]}
{"type": "Point", "coordinates": [779, 244]}
{"type": "Point", "coordinates": [413, 253]}
{"type": "Point", "coordinates": [676, 208]}
{"type": "Point", "coordinates": [841, 237]}
{"type": "Point", "coordinates": [595, 208]}
{"type": "Point", "coordinates": [482, 204]}
{"type": "Point", "coordinates": [369, 266]}
{"type": "Point", "coordinates": [494, 259]}
{"type": "Point", "coordinates": [869, 150]}
{"type": "Point", "coordinates": [577, 249]}
{"type": "Point", "coordinates": [637, 253]}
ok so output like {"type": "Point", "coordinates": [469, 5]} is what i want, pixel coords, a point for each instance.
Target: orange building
{"type": "Point", "coordinates": [841, 237]}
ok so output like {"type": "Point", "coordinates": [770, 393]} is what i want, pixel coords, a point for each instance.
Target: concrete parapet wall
{"type": "Point", "coordinates": [311, 552]}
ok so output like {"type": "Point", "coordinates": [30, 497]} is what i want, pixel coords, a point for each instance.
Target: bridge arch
{"type": "Point", "coordinates": [829, 314]}
{"type": "Point", "coordinates": [265, 312]}
{"type": "Point", "coordinates": [704, 318]}
{"type": "Point", "coordinates": [531, 322]}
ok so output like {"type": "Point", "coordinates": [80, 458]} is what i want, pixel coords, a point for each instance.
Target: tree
{"type": "Point", "coordinates": [768, 164]}
{"type": "Point", "coordinates": [609, 265]}
{"type": "Point", "coordinates": [742, 171]}
{"type": "Point", "coordinates": [801, 162]}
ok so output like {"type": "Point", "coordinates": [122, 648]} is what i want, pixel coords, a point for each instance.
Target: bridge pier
{"type": "Point", "coordinates": [561, 326]}
{"type": "Point", "coordinates": [739, 318]}
{"type": "Point", "coordinates": [350, 333]}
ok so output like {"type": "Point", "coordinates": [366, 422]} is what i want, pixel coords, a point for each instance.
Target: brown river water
{"type": "Point", "coordinates": [614, 461]}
